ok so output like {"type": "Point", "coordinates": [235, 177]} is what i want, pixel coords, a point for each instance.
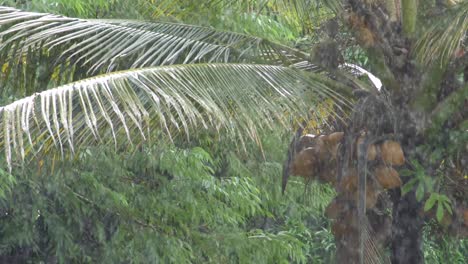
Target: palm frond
{"type": "Point", "coordinates": [82, 48]}
{"type": "Point", "coordinates": [235, 99]}
{"type": "Point", "coordinates": [248, 48]}
{"type": "Point", "coordinates": [441, 41]}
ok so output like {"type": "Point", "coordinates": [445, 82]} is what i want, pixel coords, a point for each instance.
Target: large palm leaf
{"type": "Point", "coordinates": [74, 47]}
{"type": "Point", "coordinates": [237, 99]}
{"type": "Point", "coordinates": [248, 48]}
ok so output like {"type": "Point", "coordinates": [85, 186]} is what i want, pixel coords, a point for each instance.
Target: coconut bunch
{"type": "Point", "coordinates": [315, 157]}
{"type": "Point", "coordinates": [382, 158]}
{"type": "Point", "coordinates": [322, 157]}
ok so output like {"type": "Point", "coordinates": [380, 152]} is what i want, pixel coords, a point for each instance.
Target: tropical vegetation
{"type": "Point", "coordinates": [160, 131]}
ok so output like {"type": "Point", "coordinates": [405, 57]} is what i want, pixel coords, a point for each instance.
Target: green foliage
{"type": "Point", "coordinates": [441, 38]}
{"type": "Point", "coordinates": [260, 25]}
{"type": "Point", "coordinates": [83, 8]}
{"type": "Point", "coordinates": [163, 203]}
{"type": "Point", "coordinates": [7, 183]}
{"type": "Point", "coordinates": [426, 186]}
{"type": "Point", "coordinates": [444, 249]}
{"type": "Point", "coordinates": [199, 202]}
{"type": "Point", "coordinates": [419, 181]}
{"type": "Point", "coordinates": [443, 204]}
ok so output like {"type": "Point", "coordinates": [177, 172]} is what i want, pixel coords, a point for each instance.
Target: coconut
{"type": "Point", "coordinates": [339, 229]}
{"type": "Point", "coordinates": [333, 142]}
{"type": "Point", "coordinates": [328, 175]}
{"type": "Point", "coordinates": [346, 225]}
{"type": "Point", "coordinates": [322, 149]}
{"type": "Point", "coordinates": [306, 141]}
{"type": "Point", "coordinates": [305, 163]}
{"type": "Point", "coordinates": [387, 177]}
{"type": "Point", "coordinates": [371, 152]}
{"type": "Point", "coordinates": [371, 149]}
{"type": "Point", "coordinates": [335, 138]}
{"type": "Point", "coordinates": [391, 153]}
{"type": "Point", "coordinates": [349, 181]}
{"type": "Point", "coordinates": [334, 209]}
{"type": "Point", "coordinates": [349, 187]}
{"type": "Point", "coordinates": [372, 196]}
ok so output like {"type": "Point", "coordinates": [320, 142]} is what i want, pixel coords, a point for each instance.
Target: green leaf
{"type": "Point", "coordinates": [430, 202]}
{"type": "Point", "coordinates": [440, 212]}
{"type": "Point", "coordinates": [444, 197]}
{"type": "Point", "coordinates": [408, 186]}
{"type": "Point", "coordinates": [429, 182]}
{"type": "Point", "coordinates": [406, 172]}
{"type": "Point", "coordinates": [417, 165]}
{"type": "Point", "coordinates": [420, 192]}
{"type": "Point", "coordinates": [448, 207]}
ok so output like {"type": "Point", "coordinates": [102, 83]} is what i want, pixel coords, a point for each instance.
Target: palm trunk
{"type": "Point", "coordinates": [406, 245]}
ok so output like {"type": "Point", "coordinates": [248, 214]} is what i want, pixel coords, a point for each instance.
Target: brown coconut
{"type": "Point", "coordinates": [335, 138]}
{"type": "Point", "coordinates": [349, 187]}
{"type": "Point", "coordinates": [371, 149]}
{"type": "Point", "coordinates": [322, 149]}
{"type": "Point", "coordinates": [339, 229]}
{"type": "Point", "coordinates": [333, 141]}
{"type": "Point", "coordinates": [345, 225]}
{"type": "Point", "coordinates": [349, 182]}
{"type": "Point", "coordinates": [371, 152]}
{"type": "Point", "coordinates": [305, 163]}
{"type": "Point", "coordinates": [334, 209]}
{"type": "Point", "coordinates": [306, 141]}
{"type": "Point", "coordinates": [372, 196]}
{"type": "Point", "coordinates": [392, 153]}
{"type": "Point", "coordinates": [328, 175]}
{"type": "Point", "coordinates": [387, 177]}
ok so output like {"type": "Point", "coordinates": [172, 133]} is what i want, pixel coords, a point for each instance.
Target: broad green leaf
{"type": "Point", "coordinates": [408, 186]}
{"type": "Point", "coordinates": [440, 212]}
{"type": "Point", "coordinates": [429, 183]}
{"type": "Point", "coordinates": [448, 206]}
{"type": "Point", "coordinates": [406, 172]}
{"type": "Point", "coordinates": [420, 192]}
{"type": "Point", "coordinates": [430, 202]}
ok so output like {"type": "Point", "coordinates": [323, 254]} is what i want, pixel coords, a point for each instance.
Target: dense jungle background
{"type": "Point", "coordinates": [188, 191]}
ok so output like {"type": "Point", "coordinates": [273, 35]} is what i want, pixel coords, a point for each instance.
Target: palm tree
{"type": "Point", "coordinates": [134, 80]}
